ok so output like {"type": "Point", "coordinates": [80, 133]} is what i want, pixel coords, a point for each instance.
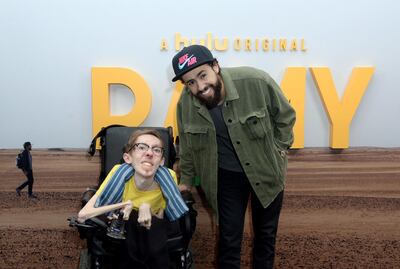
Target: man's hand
{"type": "Point", "coordinates": [80, 220]}
{"type": "Point", "coordinates": [177, 169]}
{"type": "Point", "coordinates": [127, 209]}
{"type": "Point", "coordinates": [160, 214]}
{"type": "Point", "coordinates": [144, 218]}
{"type": "Point", "coordinates": [184, 187]}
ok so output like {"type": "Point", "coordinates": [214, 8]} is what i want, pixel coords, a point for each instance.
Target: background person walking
{"type": "Point", "coordinates": [27, 170]}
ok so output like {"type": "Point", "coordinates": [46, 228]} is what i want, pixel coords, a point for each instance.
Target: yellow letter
{"type": "Point", "coordinates": [237, 44]}
{"type": "Point", "coordinates": [293, 85]}
{"type": "Point", "coordinates": [164, 44]}
{"type": "Point", "coordinates": [209, 41]}
{"type": "Point", "coordinates": [193, 41]}
{"type": "Point", "coordinates": [282, 44]}
{"type": "Point", "coordinates": [303, 45]}
{"type": "Point", "coordinates": [293, 45]}
{"type": "Point", "coordinates": [220, 47]}
{"type": "Point", "coordinates": [341, 113]}
{"type": "Point", "coordinates": [179, 40]}
{"type": "Point", "coordinates": [170, 120]}
{"type": "Point", "coordinates": [247, 46]}
{"type": "Point", "coordinates": [265, 44]}
{"type": "Point", "coordinates": [102, 77]}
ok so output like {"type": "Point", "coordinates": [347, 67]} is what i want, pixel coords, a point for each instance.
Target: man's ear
{"type": "Point", "coordinates": [215, 67]}
{"type": "Point", "coordinates": [127, 158]}
{"type": "Point", "coordinates": [162, 161]}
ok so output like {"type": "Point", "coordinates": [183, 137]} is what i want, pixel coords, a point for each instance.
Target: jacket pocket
{"type": "Point", "coordinates": [256, 124]}
{"type": "Point", "coordinates": [281, 157]}
{"type": "Point", "coordinates": [197, 137]}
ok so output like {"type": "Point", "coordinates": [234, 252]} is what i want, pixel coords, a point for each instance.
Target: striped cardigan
{"type": "Point", "coordinates": [112, 193]}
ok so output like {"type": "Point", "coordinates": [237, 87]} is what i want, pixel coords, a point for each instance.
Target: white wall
{"type": "Point", "coordinates": [47, 50]}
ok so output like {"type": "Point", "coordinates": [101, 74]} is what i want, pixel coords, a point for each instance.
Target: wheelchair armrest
{"type": "Point", "coordinates": [88, 224]}
{"type": "Point", "coordinates": [100, 223]}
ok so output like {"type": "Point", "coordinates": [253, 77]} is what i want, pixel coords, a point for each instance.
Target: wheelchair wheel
{"type": "Point", "coordinates": [85, 259]}
{"type": "Point", "coordinates": [182, 260]}
{"type": "Point", "coordinates": [187, 261]}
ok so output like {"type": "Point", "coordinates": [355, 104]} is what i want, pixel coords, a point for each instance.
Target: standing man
{"type": "Point", "coordinates": [27, 169]}
{"type": "Point", "coordinates": [235, 126]}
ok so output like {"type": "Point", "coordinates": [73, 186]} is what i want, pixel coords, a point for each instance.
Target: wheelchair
{"type": "Point", "coordinates": [101, 250]}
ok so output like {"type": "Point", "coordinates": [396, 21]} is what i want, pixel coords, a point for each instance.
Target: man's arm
{"type": "Point", "coordinates": [25, 161]}
{"type": "Point", "coordinates": [89, 211]}
{"type": "Point", "coordinates": [186, 165]}
{"type": "Point", "coordinates": [282, 114]}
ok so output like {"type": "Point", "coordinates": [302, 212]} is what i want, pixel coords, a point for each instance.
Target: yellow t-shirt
{"type": "Point", "coordinates": [154, 198]}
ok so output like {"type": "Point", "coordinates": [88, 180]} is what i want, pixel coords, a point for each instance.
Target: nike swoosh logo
{"type": "Point", "coordinates": [180, 66]}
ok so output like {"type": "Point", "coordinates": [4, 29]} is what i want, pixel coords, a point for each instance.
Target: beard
{"type": "Point", "coordinates": [212, 101]}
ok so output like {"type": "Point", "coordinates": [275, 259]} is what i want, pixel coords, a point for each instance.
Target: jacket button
{"type": "Point", "coordinates": [247, 164]}
{"type": "Point", "coordinates": [238, 142]}
{"type": "Point", "coordinates": [229, 120]}
{"type": "Point", "coordinates": [257, 183]}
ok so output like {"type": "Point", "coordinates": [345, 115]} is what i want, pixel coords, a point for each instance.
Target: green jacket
{"type": "Point", "coordinates": [259, 120]}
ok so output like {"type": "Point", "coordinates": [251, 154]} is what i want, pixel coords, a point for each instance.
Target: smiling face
{"type": "Point", "coordinates": [206, 84]}
{"type": "Point", "coordinates": [145, 155]}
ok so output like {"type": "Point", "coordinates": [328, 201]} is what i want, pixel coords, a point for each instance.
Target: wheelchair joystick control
{"type": "Point", "coordinates": [117, 228]}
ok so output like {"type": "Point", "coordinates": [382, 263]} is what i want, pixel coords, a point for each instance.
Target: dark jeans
{"type": "Point", "coordinates": [28, 182]}
{"type": "Point", "coordinates": [233, 193]}
{"type": "Point", "coordinates": [143, 248]}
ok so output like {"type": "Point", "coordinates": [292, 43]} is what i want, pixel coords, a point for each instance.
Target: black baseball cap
{"type": "Point", "coordinates": [189, 58]}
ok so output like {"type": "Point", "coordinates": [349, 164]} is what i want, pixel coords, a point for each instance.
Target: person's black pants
{"type": "Point", "coordinates": [233, 193]}
{"type": "Point", "coordinates": [143, 248]}
{"type": "Point", "coordinates": [28, 182]}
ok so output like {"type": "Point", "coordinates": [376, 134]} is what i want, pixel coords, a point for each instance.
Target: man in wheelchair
{"type": "Point", "coordinates": [147, 196]}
